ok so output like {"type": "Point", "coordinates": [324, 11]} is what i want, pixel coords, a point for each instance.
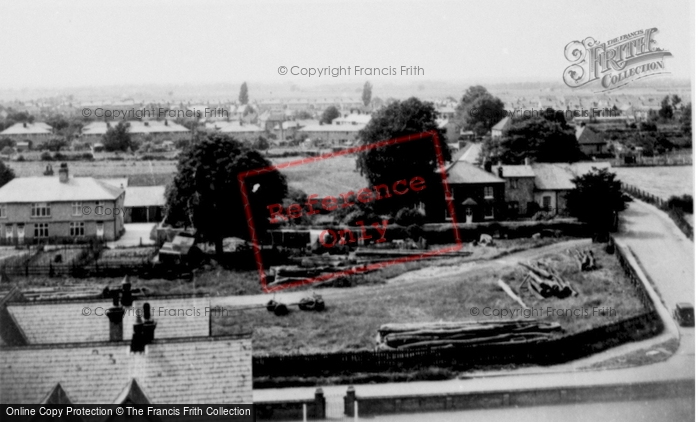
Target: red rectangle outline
{"type": "Point", "coordinates": [378, 265]}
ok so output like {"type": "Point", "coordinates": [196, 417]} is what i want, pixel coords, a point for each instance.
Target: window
{"type": "Point", "coordinates": [488, 212]}
{"type": "Point", "coordinates": [77, 229]}
{"type": "Point", "coordinates": [41, 230]}
{"type": "Point", "coordinates": [3, 211]}
{"type": "Point", "coordinates": [77, 209]}
{"type": "Point", "coordinates": [488, 192]}
{"type": "Point", "coordinates": [513, 183]}
{"type": "Point", "coordinates": [41, 210]}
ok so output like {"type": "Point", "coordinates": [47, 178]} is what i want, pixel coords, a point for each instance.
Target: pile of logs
{"type": "Point", "coordinates": [585, 259]}
{"type": "Point", "coordinates": [455, 334]}
{"type": "Point", "coordinates": [544, 281]}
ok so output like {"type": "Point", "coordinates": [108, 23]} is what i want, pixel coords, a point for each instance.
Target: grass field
{"type": "Point", "coordinates": [324, 177]}
{"type": "Point", "coordinates": [351, 320]}
{"type": "Point", "coordinates": [663, 182]}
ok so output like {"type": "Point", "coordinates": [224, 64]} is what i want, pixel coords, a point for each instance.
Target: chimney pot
{"type": "Point", "coordinates": [527, 161]}
{"type": "Point", "coordinates": [500, 172]}
{"type": "Point", "coordinates": [149, 326]}
{"type": "Point", "coordinates": [138, 345]}
{"type": "Point", "coordinates": [63, 173]}
{"type": "Point", "coordinates": [127, 298]}
{"type": "Point", "coordinates": [115, 314]}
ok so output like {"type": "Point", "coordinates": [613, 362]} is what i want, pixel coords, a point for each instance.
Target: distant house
{"type": "Point", "coordinates": [335, 134]}
{"type": "Point", "coordinates": [589, 141]}
{"type": "Point", "coordinates": [140, 130]}
{"type": "Point", "coordinates": [352, 119]}
{"type": "Point", "coordinates": [37, 133]}
{"type": "Point", "coordinates": [500, 127]}
{"type": "Point", "coordinates": [554, 180]}
{"type": "Point", "coordinates": [60, 209]}
{"type": "Point", "coordinates": [237, 130]}
{"type": "Point", "coordinates": [477, 194]}
{"type": "Point", "coordinates": [519, 188]}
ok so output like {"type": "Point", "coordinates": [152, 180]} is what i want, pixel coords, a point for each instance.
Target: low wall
{"type": "Point", "coordinates": [371, 406]}
{"type": "Point", "coordinates": [292, 410]}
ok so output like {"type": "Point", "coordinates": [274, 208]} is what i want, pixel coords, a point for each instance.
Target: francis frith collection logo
{"type": "Point", "coordinates": [615, 63]}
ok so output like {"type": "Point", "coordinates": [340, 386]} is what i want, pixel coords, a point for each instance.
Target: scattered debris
{"type": "Point", "coordinates": [486, 240]}
{"type": "Point", "coordinates": [544, 281]}
{"type": "Point", "coordinates": [585, 259]}
{"type": "Point", "coordinates": [467, 333]}
{"type": "Point", "coordinates": [511, 293]}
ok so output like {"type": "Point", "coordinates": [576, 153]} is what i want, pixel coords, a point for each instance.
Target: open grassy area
{"type": "Point", "coordinates": [351, 318]}
{"type": "Point", "coordinates": [324, 177]}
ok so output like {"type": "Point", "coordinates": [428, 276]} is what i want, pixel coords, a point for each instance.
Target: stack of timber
{"type": "Point", "coordinates": [468, 333]}
{"type": "Point", "coordinates": [544, 281]}
{"type": "Point", "coordinates": [585, 259]}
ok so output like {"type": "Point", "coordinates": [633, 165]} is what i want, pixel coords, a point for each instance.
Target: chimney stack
{"type": "Point", "coordinates": [527, 161]}
{"type": "Point", "coordinates": [63, 173]}
{"type": "Point", "coordinates": [116, 316]}
{"type": "Point", "coordinates": [24, 124]}
{"type": "Point", "coordinates": [487, 165]}
{"type": "Point", "coordinates": [149, 325]}
{"type": "Point", "coordinates": [127, 298]}
{"type": "Point", "coordinates": [138, 345]}
{"type": "Point", "coordinates": [500, 172]}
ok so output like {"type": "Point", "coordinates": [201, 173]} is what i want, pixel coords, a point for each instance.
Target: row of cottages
{"type": "Point", "coordinates": [139, 130]}
{"type": "Point", "coordinates": [28, 135]}
{"type": "Point", "coordinates": [503, 192]}
{"type": "Point", "coordinates": [125, 351]}
{"type": "Point", "coordinates": [237, 130]}
{"type": "Point", "coordinates": [60, 209]}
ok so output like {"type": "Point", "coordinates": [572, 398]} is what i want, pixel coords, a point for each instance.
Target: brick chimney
{"type": "Point", "coordinates": [166, 122]}
{"type": "Point", "coordinates": [127, 298]}
{"type": "Point", "coordinates": [500, 172]}
{"type": "Point", "coordinates": [487, 165]}
{"type": "Point", "coordinates": [116, 316]}
{"type": "Point", "coordinates": [63, 173]}
{"type": "Point", "coordinates": [149, 325]}
{"type": "Point", "coordinates": [527, 161]}
{"type": "Point", "coordinates": [138, 345]}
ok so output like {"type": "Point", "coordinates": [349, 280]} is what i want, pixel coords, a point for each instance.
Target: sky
{"type": "Point", "coordinates": [80, 43]}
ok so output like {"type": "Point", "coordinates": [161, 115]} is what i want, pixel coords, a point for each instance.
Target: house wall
{"type": "Point", "coordinates": [592, 149]}
{"type": "Point", "coordinates": [62, 216]}
{"type": "Point", "coordinates": [523, 193]}
{"type": "Point", "coordinates": [37, 139]}
{"type": "Point", "coordinates": [460, 193]}
{"type": "Point", "coordinates": [331, 136]}
{"type": "Point", "coordinates": [558, 200]}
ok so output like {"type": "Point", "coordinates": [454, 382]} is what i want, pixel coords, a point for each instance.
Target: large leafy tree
{"type": "Point", "coordinates": [391, 163]}
{"type": "Point", "coordinates": [479, 110]}
{"type": "Point", "coordinates": [206, 193]}
{"type": "Point", "coordinates": [596, 200]}
{"type": "Point", "coordinates": [329, 114]}
{"type": "Point", "coordinates": [536, 138]}
{"type": "Point", "coordinates": [6, 174]}
{"type": "Point", "coordinates": [243, 94]}
{"type": "Point", "coordinates": [367, 93]}
{"type": "Point", "coordinates": [687, 119]}
{"type": "Point", "coordinates": [118, 138]}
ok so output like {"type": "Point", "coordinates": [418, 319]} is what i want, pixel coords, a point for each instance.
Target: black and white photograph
{"type": "Point", "coordinates": [347, 210]}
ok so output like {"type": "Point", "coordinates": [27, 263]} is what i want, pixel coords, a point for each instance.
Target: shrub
{"type": "Point", "coordinates": [409, 217]}
{"type": "Point", "coordinates": [46, 156]}
{"type": "Point", "coordinates": [20, 158]}
{"type": "Point", "coordinates": [685, 203]}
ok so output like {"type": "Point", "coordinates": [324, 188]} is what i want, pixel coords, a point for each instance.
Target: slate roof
{"type": "Point", "coordinates": [63, 322]}
{"type": "Point", "coordinates": [332, 128]}
{"type": "Point", "coordinates": [191, 370]}
{"type": "Point", "coordinates": [558, 176]}
{"type": "Point", "coordinates": [461, 172]}
{"type": "Point", "coordinates": [50, 189]}
{"type": "Point", "coordinates": [503, 124]}
{"type": "Point", "coordinates": [144, 196]}
{"type": "Point", "coordinates": [235, 127]}
{"type": "Point", "coordinates": [514, 170]}
{"type": "Point", "coordinates": [586, 136]}
{"type": "Point", "coordinates": [37, 128]}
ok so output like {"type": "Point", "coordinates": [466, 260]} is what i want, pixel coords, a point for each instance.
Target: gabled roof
{"type": "Point", "coordinates": [586, 136]}
{"type": "Point", "coordinates": [192, 370]}
{"type": "Point", "coordinates": [132, 394]}
{"type": "Point", "coordinates": [503, 124]}
{"type": "Point", "coordinates": [50, 189]}
{"type": "Point", "coordinates": [57, 396]}
{"type": "Point", "coordinates": [332, 128]}
{"type": "Point", "coordinates": [62, 322]}
{"type": "Point", "coordinates": [461, 172]}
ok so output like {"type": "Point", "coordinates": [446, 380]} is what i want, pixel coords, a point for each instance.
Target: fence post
{"type": "Point", "coordinates": [350, 399]}
{"type": "Point", "coordinates": [303, 411]}
{"type": "Point", "coordinates": [320, 404]}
